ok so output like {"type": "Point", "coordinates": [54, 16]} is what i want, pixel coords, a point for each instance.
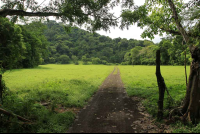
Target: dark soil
{"type": "Point", "coordinates": [112, 111]}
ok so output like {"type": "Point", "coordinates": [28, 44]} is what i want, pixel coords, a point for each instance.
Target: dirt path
{"type": "Point", "coordinates": [112, 111]}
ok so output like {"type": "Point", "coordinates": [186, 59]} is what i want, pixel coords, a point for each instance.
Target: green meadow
{"type": "Point", "coordinates": [141, 81]}
{"type": "Point", "coordinates": [78, 83]}
{"type": "Point", "coordinates": [71, 86]}
{"type": "Point", "coordinates": [74, 85]}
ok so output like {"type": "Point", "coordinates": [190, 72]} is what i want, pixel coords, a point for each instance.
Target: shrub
{"type": "Point", "coordinates": [75, 59]}
{"type": "Point", "coordinates": [52, 60]}
{"type": "Point", "coordinates": [85, 60]}
{"type": "Point", "coordinates": [96, 61]}
{"type": "Point", "coordinates": [64, 59]}
{"type": "Point", "coordinates": [124, 63]}
{"type": "Point", "coordinates": [104, 62]}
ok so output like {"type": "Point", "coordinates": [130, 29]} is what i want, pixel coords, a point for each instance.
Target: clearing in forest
{"type": "Point", "coordinates": [112, 111]}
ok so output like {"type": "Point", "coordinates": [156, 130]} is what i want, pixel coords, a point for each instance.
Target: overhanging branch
{"type": "Point", "coordinates": [178, 33]}
{"type": "Point", "coordinates": [178, 24]}
{"type": "Point", "coordinates": [171, 31]}
{"type": "Point", "coordinates": [12, 12]}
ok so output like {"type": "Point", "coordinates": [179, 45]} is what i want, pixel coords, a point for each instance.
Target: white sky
{"type": "Point", "coordinates": [133, 32]}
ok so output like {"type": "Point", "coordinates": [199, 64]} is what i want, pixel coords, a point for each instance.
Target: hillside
{"type": "Point", "coordinates": [81, 43]}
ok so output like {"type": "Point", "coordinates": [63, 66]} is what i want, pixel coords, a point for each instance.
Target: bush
{"type": "Point", "coordinates": [64, 59]}
{"type": "Point", "coordinates": [75, 59]}
{"type": "Point", "coordinates": [44, 119]}
{"type": "Point", "coordinates": [104, 62]}
{"type": "Point", "coordinates": [41, 61]}
{"type": "Point", "coordinates": [109, 64]}
{"type": "Point", "coordinates": [52, 60]}
{"type": "Point", "coordinates": [76, 62]}
{"type": "Point", "coordinates": [85, 63]}
{"type": "Point", "coordinates": [85, 60]}
{"type": "Point", "coordinates": [124, 63]}
{"type": "Point", "coordinates": [96, 61]}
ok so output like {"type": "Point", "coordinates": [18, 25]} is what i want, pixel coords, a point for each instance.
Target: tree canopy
{"type": "Point", "coordinates": [95, 14]}
{"type": "Point", "coordinates": [11, 44]}
{"type": "Point", "coordinates": [158, 18]}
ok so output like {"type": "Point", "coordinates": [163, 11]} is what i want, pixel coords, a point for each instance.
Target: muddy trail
{"type": "Point", "coordinates": [112, 111]}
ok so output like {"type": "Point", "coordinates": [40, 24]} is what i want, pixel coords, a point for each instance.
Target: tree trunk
{"type": "Point", "coordinates": [186, 68]}
{"type": "Point", "coordinates": [1, 90]}
{"type": "Point", "coordinates": [161, 85]}
{"type": "Point", "coordinates": [191, 107]}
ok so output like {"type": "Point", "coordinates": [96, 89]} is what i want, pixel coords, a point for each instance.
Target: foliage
{"type": "Point", "coordinates": [96, 61]}
{"type": "Point", "coordinates": [94, 15]}
{"type": "Point", "coordinates": [179, 127]}
{"type": "Point", "coordinates": [85, 60]}
{"type": "Point", "coordinates": [44, 119]}
{"type": "Point", "coordinates": [78, 43]}
{"type": "Point", "coordinates": [21, 46]}
{"type": "Point", "coordinates": [64, 59]}
{"type": "Point", "coordinates": [172, 53]}
{"type": "Point", "coordinates": [11, 44]}
{"type": "Point", "coordinates": [85, 45]}
{"type": "Point", "coordinates": [36, 29]}
{"type": "Point", "coordinates": [75, 59]}
{"type": "Point", "coordinates": [81, 43]}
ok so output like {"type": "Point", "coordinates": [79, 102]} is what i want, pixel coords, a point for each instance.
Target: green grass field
{"type": "Point", "coordinates": [73, 85]}
{"type": "Point", "coordinates": [61, 85]}
{"type": "Point", "coordinates": [141, 81]}
{"type": "Point", "coordinates": [78, 83]}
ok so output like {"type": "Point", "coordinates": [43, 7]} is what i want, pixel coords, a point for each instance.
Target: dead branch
{"type": "Point", "coordinates": [45, 104]}
{"type": "Point", "coordinates": [13, 115]}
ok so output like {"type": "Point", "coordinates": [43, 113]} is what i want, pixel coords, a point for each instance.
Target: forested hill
{"type": "Point", "coordinates": [82, 45]}
{"type": "Point", "coordinates": [27, 46]}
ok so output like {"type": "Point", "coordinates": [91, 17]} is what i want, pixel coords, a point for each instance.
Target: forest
{"type": "Point", "coordinates": [58, 77]}
{"type": "Point", "coordinates": [44, 43]}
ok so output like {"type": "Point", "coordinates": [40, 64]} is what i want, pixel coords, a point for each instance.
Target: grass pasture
{"type": "Point", "coordinates": [48, 82]}
{"type": "Point", "coordinates": [141, 81]}
{"type": "Point", "coordinates": [68, 86]}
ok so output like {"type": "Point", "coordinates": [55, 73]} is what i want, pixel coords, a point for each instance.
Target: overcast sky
{"type": "Point", "coordinates": [133, 32]}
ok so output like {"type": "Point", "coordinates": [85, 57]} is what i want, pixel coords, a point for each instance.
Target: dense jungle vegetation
{"type": "Point", "coordinates": [43, 43]}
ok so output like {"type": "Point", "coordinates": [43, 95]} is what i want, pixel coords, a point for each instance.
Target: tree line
{"type": "Point", "coordinates": [79, 44]}
{"type": "Point", "coordinates": [21, 46]}
{"type": "Point", "coordinates": [82, 45]}
{"type": "Point", "coordinates": [26, 46]}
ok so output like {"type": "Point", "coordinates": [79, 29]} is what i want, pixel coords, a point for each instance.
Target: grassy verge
{"type": "Point", "coordinates": [66, 86]}
{"type": "Point", "coordinates": [141, 81]}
